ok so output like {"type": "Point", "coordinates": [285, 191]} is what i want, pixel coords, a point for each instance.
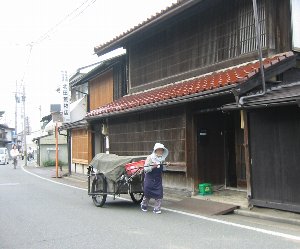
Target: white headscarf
{"type": "Point", "coordinates": [159, 159]}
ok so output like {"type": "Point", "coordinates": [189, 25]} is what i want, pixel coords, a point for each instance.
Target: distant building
{"type": "Point", "coordinates": [7, 136]}
{"type": "Point", "coordinates": [46, 144]}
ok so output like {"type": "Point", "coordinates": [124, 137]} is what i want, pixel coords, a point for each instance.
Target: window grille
{"type": "Point", "coordinates": [223, 32]}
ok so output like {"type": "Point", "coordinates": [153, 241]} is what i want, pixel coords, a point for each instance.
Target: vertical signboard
{"type": "Point", "coordinates": [66, 97]}
{"type": "Point", "coordinates": [295, 9]}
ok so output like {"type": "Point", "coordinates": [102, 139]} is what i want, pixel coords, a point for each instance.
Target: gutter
{"type": "Point", "coordinates": [259, 48]}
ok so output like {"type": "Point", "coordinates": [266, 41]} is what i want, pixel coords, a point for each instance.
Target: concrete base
{"type": "Point", "coordinates": [79, 168]}
{"type": "Point", "coordinates": [227, 196]}
{"type": "Point", "coordinates": [271, 215]}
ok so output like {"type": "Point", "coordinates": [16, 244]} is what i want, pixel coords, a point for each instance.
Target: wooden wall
{"type": "Point", "coordinates": [120, 79]}
{"type": "Point", "coordinates": [81, 146]}
{"type": "Point", "coordinates": [137, 134]}
{"type": "Point", "coordinates": [281, 24]}
{"type": "Point", "coordinates": [275, 147]}
{"type": "Point", "coordinates": [222, 32]}
{"type": "Point", "coordinates": [101, 90]}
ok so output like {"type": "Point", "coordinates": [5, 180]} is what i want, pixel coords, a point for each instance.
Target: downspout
{"type": "Point", "coordinates": [259, 48]}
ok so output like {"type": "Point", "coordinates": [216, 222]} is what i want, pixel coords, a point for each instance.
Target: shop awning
{"type": "Point", "coordinates": [74, 125]}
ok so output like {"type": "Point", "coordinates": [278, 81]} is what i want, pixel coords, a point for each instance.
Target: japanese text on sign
{"type": "Point", "coordinates": [65, 97]}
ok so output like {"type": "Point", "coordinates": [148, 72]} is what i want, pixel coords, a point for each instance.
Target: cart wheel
{"type": "Point", "coordinates": [137, 197]}
{"type": "Point", "coordinates": [99, 185]}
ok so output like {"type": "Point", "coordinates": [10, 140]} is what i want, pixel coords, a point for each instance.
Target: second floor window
{"type": "Point", "coordinates": [214, 35]}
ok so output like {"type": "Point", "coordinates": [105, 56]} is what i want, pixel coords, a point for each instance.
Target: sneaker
{"type": "Point", "coordinates": [157, 211]}
{"type": "Point", "coordinates": [144, 208]}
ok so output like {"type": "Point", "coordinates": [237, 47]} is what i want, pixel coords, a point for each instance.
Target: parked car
{"type": "Point", "coordinates": [4, 157]}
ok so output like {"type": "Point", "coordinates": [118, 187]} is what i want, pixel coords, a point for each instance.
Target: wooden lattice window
{"type": "Point", "coordinates": [223, 32]}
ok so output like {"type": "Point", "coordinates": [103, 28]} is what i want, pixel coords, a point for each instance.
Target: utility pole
{"type": "Point", "coordinates": [40, 109]}
{"type": "Point", "coordinates": [16, 112]}
{"type": "Point", "coordinates": [24, 130]}
{"type": "Point", "coordinates": [56, 148]}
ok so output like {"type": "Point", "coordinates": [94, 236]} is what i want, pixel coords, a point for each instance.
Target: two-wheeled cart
{"type": "Point", "coordinates": [110, 174]}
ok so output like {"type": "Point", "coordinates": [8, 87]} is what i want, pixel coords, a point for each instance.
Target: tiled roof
{"type": "Point", "coordinates": [203, 84]}
{"type": "Point", "coordinates": [178, 6]}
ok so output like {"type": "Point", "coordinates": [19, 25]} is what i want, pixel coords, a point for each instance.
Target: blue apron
{"type": "Point", "coordinates": [153, 184]}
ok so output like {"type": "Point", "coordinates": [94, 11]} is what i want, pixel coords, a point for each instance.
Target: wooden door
{"type": "Point", "coordinates": [211, 154]}
{"type": "Point", "coordinates": [275, 156]}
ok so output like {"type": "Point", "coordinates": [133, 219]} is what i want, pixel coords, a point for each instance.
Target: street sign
{"type": "Point", "coordinates": [66, 97]}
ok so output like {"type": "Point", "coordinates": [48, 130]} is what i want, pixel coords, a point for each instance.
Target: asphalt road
{"type": "Point", "coordinates": [35, 213]}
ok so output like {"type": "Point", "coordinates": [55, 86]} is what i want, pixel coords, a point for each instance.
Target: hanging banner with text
{"type": "Point", "coordinates": [66, 97]}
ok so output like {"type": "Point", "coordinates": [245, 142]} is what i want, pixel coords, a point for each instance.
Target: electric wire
{"type": "Point", "coordinates": [85, 4]}
{"type": "Point", "coordinates": [64, 19]}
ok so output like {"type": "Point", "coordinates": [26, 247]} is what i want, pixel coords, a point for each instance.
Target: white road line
{"type": "Point", "coordinates": [278, 234]}
{"type": "Point", "coordinates": [46, 179]}
{"type": "Point", "coordinates": [9, 184]}
{"type": "Point", "coordinates": [260, 230]}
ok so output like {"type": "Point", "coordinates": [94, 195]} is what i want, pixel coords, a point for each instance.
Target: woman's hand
{"type": "Point", "coordinates": [155, 165]}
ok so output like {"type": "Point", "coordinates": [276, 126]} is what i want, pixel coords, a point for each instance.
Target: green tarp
{"type": "Point", "coordinates": [112, 165]}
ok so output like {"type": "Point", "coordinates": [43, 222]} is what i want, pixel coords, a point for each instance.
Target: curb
{"type": "Point", "coordinates": [266, 217]}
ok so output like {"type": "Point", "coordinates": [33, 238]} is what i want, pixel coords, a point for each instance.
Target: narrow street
{"type": "Point", "coordinates": [35, 213]}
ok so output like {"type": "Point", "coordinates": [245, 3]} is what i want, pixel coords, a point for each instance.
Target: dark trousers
{"type": "Point", "coordinates": [15, 162]}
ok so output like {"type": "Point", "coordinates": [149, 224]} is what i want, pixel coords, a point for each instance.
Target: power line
{"type": "Point", "coordinates": [91, 3]}
{"type": "Point", "coordinates": [53, 28]}
{"type": "Point", "coordinates": [27, 63]}
{"type": "Point", "coordinates": [79, 10]}
{"type": "Point", "coordinates": [46, 35]}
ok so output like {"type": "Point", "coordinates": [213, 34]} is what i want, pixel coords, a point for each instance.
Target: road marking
{"type": "Point", "coordinates": [49, 180]}
{"type": "Point", "coordinates": [259, 230]}
{"type": "Point", "coordinates": [278, 234]}
{"type": "Point", "coordinates": [9, 184]}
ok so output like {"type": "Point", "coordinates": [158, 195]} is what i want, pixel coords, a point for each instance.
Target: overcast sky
{"type": "Point", "coordinates": [75, 28]}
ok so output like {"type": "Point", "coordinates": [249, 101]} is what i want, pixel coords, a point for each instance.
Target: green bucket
{"type": "Point", "coordinates": [205, 189]}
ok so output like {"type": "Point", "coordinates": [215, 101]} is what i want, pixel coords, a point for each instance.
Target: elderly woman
{"type": "Point", "coordinates": [153, 177]}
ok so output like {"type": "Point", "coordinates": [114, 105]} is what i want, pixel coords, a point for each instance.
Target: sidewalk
{"type": "Point", "coordinates": [180, 200]}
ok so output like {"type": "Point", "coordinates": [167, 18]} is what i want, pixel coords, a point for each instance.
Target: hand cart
{"type": "Point", "coordinates": [114, 178]}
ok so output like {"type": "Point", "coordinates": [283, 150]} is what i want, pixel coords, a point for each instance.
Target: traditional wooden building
{"type": "Point", "coordinates": [189, 70]}
{"type": "Point", "coordinates": [100, 85]}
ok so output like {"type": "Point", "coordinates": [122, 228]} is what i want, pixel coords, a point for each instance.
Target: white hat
{"type": "Point", "coordinates": [161, 146]}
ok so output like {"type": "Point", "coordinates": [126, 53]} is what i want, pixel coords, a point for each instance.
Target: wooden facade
{"type": "Point", "coordinates": [137, 134]}
{"type": "Point", "coordinates": [81, 146]}
{"type": "Point", "coordinates": [220, 149]}
{"type": "Point", "coordinates": [275, 147]}
{"type": "Point", "coordinates": [102, 84]}
{"type": "Point", "coordinates": [101, 90]}
{"type": "Point", "coordinates": [213, 145]}
{"type": "Point", "coordinates": [206, 37]}
{"type": "Point", "coordinates": [202, 40]}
